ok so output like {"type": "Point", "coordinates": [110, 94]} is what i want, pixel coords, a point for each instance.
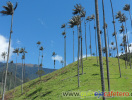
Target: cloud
{"type": "Point", "coordinates": [4, 46]}
{"type": "Point", "coordinates": [57, 57]}
{"type": "Point", "coordinates": [18, 42]}
{"type": "Point", "coordinates": [41, 21]}
{"type": "Point", "coordinates": [84, 56]}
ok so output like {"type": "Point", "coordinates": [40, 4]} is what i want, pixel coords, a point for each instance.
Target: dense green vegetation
{"type": "Point", "coordinates": [65, 79]}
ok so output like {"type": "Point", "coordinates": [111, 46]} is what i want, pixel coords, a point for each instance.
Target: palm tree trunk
{"type": "Point", "coordinates": [73, 44]}
{"type": "Point", "coordinates": [106, 47]}
{"type": "Point", "coordinates": [81, 49]}
{"type": "Point", "coordinates": [96, 42]}
{"type": "Point", "coordinates": [100, 49]}
{"type": "Point", "coordinates": [38, 61]}
{"type": "Point", "coordinates": [78, 53]}
{"type": "Point", "coordinates": [15, 74]}
{"type": "Point", "coordinates": [7, 59]}
{"type": "Point", "coordinates": [65, 50]}
{"type": "Point", "coordinates": [90, 39]}
{"type": "Point", "coordinates": [22, 79]}
{"type": "Point", "coordinates": [2, 85]}
{"type": "Point", "coordinates": [85, 38]}
{"type": "Point", "coordinates": [115, 38]}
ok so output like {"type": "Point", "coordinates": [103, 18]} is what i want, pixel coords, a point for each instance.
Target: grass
{"type": "Point", "coordinates": [65, 79]}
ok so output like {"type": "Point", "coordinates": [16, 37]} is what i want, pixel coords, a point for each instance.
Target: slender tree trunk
{"type": "Point", "coordinates": [7, 59]}
{"type": "Point", "coordinates": [96, 42]}
{"type": "Point", "coordinates": [90, 39]}
{"type": "Point", "coordinates": [85, 38]}
{"type": "Point", "coordinates": [24, 71]}
{"type": "Point", "coordinates": [78, 53]}
{"type": "Point", "coordinates": [115, 38]}
{"type": "Point", "coordinates": [15, 74]}
{"type": "Point", "coordinates": [2, 86]}
{"type": "Point", "coordinates": [100, 49]}
{"type": "Point", "coordinates": [108, 44]}
{"type": "Point", "coordinates": [38, 61]}
{"type": "Point", "coordinates": [54, 64]}
{"type": "Point", "coordinates": [65, 50]}
{"type": "Point", "coordinates": [22, 79]}
{"type": "Point", "coordinates": [106, 47]}
{"type": "Point", "coordinates": [73, 44]}
{"type": "Point", "coordinates": [81, 50]}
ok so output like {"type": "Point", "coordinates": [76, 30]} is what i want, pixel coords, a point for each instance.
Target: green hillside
{"type": "Point", "coordinates": [65, 79]}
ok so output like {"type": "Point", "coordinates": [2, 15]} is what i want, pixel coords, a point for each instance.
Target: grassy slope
{"type": "Point", "coordinates": [65, 79]}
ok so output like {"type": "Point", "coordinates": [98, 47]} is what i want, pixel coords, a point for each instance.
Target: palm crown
{"type": "Point", "coordinates": [9, 10]}
{"type": "Point", "coordinates": [127, 7]}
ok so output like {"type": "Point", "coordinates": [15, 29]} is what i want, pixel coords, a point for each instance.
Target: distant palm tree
{"type": "Point", "coordinates": [17, 52]}
{"type": "Point", "coordinates": [38, 44]}
{"type": "Point", "coordinates": [53, 55]}
{"type": "Point", "coordinates": [100, 49]}
{"type": "Point", "coordinates": [4, 54]}
{"type": "Point", "coordinates": [10, 74]}
{"type": "Point", "coordinates": [72, 26]}
{"type": "Point", "coordinates": [89, 19]}
{"type": "Point", "coordinates": [41, 49]}
{"type": "Point", "coordinates": [127, 8]}
{"type": "Point", "coordinates": [22, 50]}
{"type": "Point", "coordinates": [64, 34]}
{"type": "Point", "coordinates": [9, 10]}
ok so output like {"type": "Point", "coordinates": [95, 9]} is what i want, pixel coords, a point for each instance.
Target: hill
{"type": "Point", "coordinates": [30, 72]}
{"type": "Point", "coordinates": [65, 80]}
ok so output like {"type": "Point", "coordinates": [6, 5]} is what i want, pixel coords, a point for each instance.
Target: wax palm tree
{"type": "Point", "coordinates": [72, 26]}
{"type": "Point", "coordinates": [53, 55]}
{"type": "Point", "coordinates": [93, 18]}
{"type": "Point", "coordinates": [9, 10]}
{"type": "Point", "coordinates": [106, 47]}
{"type": "Point", "coordinates": [38, 44]}
{"type": "Point", "coordinates": [3, 55]}
{"type": "Point", "coordinates": [77, 20]}
{"type": "Point", "coordinates": [64, 34]}
{"type": "Point", "coordinates": [10, 74]}
{"type": "Point", "coordinates": [80, 11]}
{"type": "Point", "coordinates": [89, 19]}
{"type": "Point", "coordinates": [115, 37]}
{"type": "Point", "coordinates": [127, 8]}
{"type": "Point", "coordinates": [100, 49]}
{"type": "Point", "coordinates": [41, 49]}
{"type": "Point", "coordinates": [17, 52]}
{"type": "Point", "coordinates": [22, 50]}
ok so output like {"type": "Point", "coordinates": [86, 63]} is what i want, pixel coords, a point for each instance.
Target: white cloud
{"type": "Point", "coordinates": [18, 42]}
{"type": "Point", "coordinates": [41, 21]}
{"type": "Point", "coordinates": [4, 46]}
{"type": "Point", "coordinates": [57, 57]}
{"type": "Point", "coordinates": [84, 56]}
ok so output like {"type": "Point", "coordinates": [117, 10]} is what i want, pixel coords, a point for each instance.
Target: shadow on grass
{"type": "Point", "coordinates": [33, 83]}
{"type": "Point", "coordinates": [95, 65]}
{"type": "Point", "coordinates": [35, 97]}
{"type": "Point", "coordinates": [46, 93]}
{"type": "Point", "coordinates": [94, 74]}
{"type": "Point", "coordinates": [38, 90]}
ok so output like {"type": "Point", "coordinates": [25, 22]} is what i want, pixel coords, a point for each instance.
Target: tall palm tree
{"type": "Point", "coordinates": [53, 55]}
{"type": "Point", "coordinates": [127, 8]}
{"type": "Point", "coordinates": [79, 10]}
{"type": "Point", "coordinates": [72, 26]}
{"type": "Point", "coordinates": [77, 21]}
{"type": "Point", "coordinates": [41, 49]}
{"type": "Point", "coordinates": [38, 44]}
{"type": "Point", "coordinates": [22, 50]}
{"type": "Point", "coordinates": [4, 54]}
{"type": "Point", "coordinates": [100, 49]}
{"type": "Point", "coordinates": [64, 34]}
{"type": "Point", "coordinates": [93, 18]}
{"type": "Point", "coordinates": [17, 52]}
{"type": "Point", "coordinates": [106, 47]}
{"type": "Point", "coordinates": [115, 37]}
{"type": "Point", "coordinates": [9, 10]}
{"type": "Point", "coordinates": [89, 19]}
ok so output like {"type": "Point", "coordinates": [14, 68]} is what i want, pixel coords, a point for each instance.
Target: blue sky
{"type": "Point", "coordinates": [41, 21]}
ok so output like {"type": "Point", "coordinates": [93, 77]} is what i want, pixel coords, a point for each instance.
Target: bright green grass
{"type": "Point", "coordinates": [65, 79]}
